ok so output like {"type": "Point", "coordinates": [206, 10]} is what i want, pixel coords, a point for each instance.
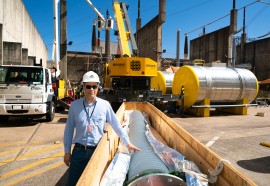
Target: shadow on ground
{"type": "Point", "coordinates": [260, 165]}
{"type": "Point", "coordinates": [18, 122]}
{"type": "Point", "coordinates": [63, 179]}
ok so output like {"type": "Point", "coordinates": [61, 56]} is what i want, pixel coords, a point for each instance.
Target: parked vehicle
{"type": "Point", "coordinates": [26, 91]}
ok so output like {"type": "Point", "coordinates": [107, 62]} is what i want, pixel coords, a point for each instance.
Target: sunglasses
{"type": "Point", "coordinates": [89, 87]}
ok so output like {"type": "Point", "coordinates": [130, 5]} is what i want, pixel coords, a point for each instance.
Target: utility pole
{"type": "Point", "coordinates": [139, 20]}
{"type": "Point", "coordinates": [186, 47]}
{"type": "Point", "coordinates": [233, 30]}
{"type": "Point", "coordinates": [243, 38]}
{"type": "Point", "coordinates": [107, 40]}
{"type": "Point", "coordinates": [138, 23]}
{"type": "Point", "coordinates": [63, 39]}
{"type": "Point", "coordinates": [178, 48]}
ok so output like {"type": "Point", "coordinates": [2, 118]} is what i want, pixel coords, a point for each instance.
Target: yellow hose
{"type": "Point", "coordinates": [265, 144]}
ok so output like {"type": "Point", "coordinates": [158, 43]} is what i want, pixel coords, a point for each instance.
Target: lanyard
{"type": "Point", "coordinates": [87, 111]}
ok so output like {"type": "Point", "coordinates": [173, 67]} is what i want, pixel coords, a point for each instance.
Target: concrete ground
{"type": "Point", "coordinates": [236, 138]}
{"type": "Point", "coordinates": [31, 152]}
{"type": "Point", "coordinates": [233, 137]}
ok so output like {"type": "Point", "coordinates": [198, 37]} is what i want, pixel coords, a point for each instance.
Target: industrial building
{"type": "Point", "coordinates": [24, 45]}
{"type": "Point", "coordinates": [20, 41]}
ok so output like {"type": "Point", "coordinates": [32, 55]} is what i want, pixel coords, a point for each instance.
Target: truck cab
{"type": "Point", "coordinates": [26, 91]}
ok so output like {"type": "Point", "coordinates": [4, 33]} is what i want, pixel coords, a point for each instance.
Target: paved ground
{"type": "Point", "coordinates": [237, 139]}
{"type": "Point", "coordinates": [31, 152]}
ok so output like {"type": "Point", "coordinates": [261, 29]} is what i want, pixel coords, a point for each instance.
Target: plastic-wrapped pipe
{"type": "Point", "coordinates": [146, 160]}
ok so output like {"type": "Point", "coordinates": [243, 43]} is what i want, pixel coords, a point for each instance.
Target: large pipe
{"type": "Point", "coordinates": [146, 159]}
{"type": "Point", "coordinates": [163, 81]}
{"type": "Point", "coordinates": [222, 85]}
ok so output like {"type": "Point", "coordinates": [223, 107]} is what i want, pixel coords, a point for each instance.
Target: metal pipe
{"type": "Point", "coordinates": [222, 85]}
{"type": "Point", "coordinates": [146, 160]}
{"type": "Point", "coordinates": [223, 106]}
{"type": "Point", "coordinates": [226, 85]}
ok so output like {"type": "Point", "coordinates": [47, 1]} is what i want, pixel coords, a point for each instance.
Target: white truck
{"type": "Point", "coordinates": [26, 91]}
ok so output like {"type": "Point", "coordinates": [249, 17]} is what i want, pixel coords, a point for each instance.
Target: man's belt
{"type": "Point", "coordinates": [85, 147]}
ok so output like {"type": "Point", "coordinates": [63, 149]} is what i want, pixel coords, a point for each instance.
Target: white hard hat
{"type": "Point", "coordinates": [90, 77]}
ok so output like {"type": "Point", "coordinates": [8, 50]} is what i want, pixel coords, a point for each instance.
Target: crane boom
{"type": "Point", "coordinates": [55, 50]}
{"type": "Point", "coordinates": [96, 10]}
{"type": "Point", "coordinates": [125, 29]}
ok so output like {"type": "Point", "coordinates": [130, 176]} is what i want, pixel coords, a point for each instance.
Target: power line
{"type": "Point", "coordinates": [265, 2]}
{"type": "Point", "coordinates": [224, 16]}
{"type": "Point", "coordinates": [247, 5]}
{"type": "Point", "coordinates": [192, 7]}
{"type": "Point", "coordinates": [256, 16]}
{"type": "Point", "coordinates": [208, 24]}
{"type": "Point", "coordinates": [264, 35]}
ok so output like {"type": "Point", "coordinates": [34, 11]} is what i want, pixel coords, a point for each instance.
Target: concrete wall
{"type": "Point", "coordinates": [257, 54]}
{"type": "Point", "coordinates": [211, 47]}
{"type": "Point", "coordinates": [214, 46]}
{"type": "Point", "coordinates": [149, 37]}
{"type": "Point", "coordinates": [79, 63]}
{"type": "Point", "coordinates": [18, 27]}
{"type": "Point", "coordinates": [12, 53]}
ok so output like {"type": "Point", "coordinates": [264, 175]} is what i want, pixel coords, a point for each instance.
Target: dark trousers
{"type": "Point", "coordinates": [79, 160]}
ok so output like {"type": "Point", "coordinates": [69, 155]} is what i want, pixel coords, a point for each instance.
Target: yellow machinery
{"type": "Point", "coordinates": [128, 77]}
{"type": "Point", "coordinates": [132, 66]}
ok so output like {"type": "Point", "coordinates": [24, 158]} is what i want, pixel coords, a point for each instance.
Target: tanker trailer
{"type": "Point", "coordinates": [215, 87]}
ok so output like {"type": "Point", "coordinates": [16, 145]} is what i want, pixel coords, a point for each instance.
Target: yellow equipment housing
{"type": "Point", "coordinates": [132, 66]}
{"type": "Point", "coordinates": [61, 89]}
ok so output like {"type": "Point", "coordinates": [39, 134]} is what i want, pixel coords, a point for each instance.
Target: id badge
{"type": "Point", "coordinates": [90, 127]}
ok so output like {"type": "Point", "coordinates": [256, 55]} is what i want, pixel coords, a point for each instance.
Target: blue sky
{"type": "Point", "coordinates": [186, 15]}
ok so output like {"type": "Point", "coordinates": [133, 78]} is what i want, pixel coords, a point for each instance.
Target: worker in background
{"type": "Point", "coordinates": [88, 116]}
{"type": "Point", "coordinates": [79, 90]}
{"type": "Point", "coordinates": [182, 99]}
{"type": "Point", "coordinates": [69, 91]}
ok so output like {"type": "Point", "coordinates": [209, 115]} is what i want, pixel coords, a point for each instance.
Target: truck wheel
{"type": "Point", "coordinates": [51, 112]}
{"type": "Point", "coordinates": [4, 118]}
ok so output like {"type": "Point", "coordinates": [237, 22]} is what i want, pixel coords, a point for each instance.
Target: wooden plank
{"type": "Point", "coordinates": [187, 145]}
